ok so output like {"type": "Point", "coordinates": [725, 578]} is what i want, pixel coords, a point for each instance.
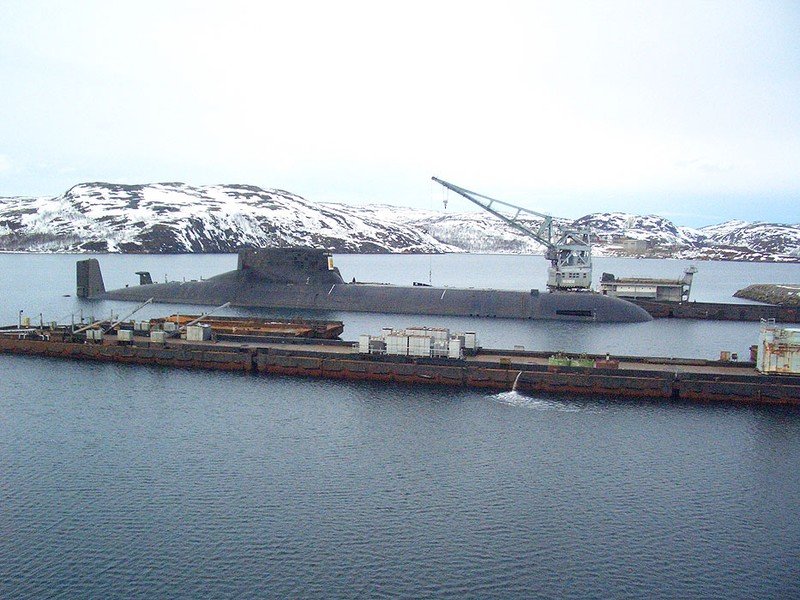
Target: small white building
{"type": "Point", "coordinates": [636, 246]}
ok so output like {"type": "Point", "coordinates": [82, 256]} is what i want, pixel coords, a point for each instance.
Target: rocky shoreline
{"type": "Point", "coordinates": [772, 293]}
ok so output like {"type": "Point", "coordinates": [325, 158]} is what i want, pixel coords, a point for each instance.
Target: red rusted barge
{"type": "Point", "coordinates": [638, 377]}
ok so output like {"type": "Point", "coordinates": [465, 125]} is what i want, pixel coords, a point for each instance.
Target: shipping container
{"type": "Point", "coordinates": [437, 333]}
{"type": "Point", "coordinates": [397, 344]}
{"type": "Point", "coordinates": [419, 345]}
{"type": "Point", "coordinates": [158, 337]}
{"type": "Point", "coordinates": [558, 360]}
{"type": "Point", "coordinates": [470, 340]}
{"type": "Point", "coordinates": [582, 362]}
{"type": "Point", "coordinates": [363, 343]}
{"type": "Point", "coordinates": [198, 333]}
{"type": "Point", "coordinates": [125, 335]}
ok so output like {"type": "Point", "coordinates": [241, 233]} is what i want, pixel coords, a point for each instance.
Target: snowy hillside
{"type": "Point", "coordinates": [650, 228]}
{"type": "Point", "coordinates": [766, 238]}
{"type": "Point", "coordinates": [175, 217]}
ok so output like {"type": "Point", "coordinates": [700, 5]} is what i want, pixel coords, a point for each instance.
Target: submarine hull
{"type": "Point", "coordinates": [316, 285]}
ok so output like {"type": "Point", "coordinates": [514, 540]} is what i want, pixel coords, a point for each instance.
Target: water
{"type": "Point", "coordinates": [124, 481]}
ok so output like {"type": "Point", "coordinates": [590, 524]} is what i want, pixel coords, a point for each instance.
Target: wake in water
{"type": "Point", "coordinates": [514, 398]}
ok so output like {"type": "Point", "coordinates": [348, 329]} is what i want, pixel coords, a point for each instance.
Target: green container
{"type": "Point", "coordinates": [582, 362]}
{"type": "Point", "coordinates": [558, 361]}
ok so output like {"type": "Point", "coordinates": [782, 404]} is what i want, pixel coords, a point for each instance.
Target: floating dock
{"type": "Point", "coordinates": [719, 311]}
{"type": "Point", "coordinates": [540, 372]}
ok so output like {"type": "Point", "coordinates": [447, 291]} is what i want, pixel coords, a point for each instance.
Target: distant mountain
{"type": "Point", "coordinates": [613, 233]}
{"type": "Point", "coordinates": [178, 218]}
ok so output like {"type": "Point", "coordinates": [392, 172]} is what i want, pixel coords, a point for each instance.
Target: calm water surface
{"type": "Point", "coordinates": [122, 481]}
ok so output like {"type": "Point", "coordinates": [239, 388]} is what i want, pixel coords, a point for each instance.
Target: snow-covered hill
{"type": "Point", "coordinates": [658, 237]}
{"type": "Point", "coordinates": [175, 217]}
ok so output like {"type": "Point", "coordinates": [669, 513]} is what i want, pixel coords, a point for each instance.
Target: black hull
{"type": "Point", "coordinates": [310, 285]}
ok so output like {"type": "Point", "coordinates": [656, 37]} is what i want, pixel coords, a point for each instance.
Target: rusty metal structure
{"type": "Point", "coordinates": [778, 349]}
{"type": "Point", "coordinates": [540, 372]}
{"type": "Point", "coordinates": [646, 288]}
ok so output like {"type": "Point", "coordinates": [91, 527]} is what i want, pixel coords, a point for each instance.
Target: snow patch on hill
{"type": "Point", "coordinates": [175, 217]}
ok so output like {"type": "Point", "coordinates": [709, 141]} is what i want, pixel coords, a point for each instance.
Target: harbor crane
{"type": "Point", "coordinates": [568, 250]}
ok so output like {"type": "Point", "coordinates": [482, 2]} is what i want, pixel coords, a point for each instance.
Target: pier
{"type": "Point", "coordinates": [636, 377]}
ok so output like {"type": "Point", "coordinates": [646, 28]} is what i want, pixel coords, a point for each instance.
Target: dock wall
{"type": "Point", "coordinates": [718, 311]}
{"type": "Point", "coordinates": [716, 385]}
{"type": "Point", "coordinates": [169, 356]}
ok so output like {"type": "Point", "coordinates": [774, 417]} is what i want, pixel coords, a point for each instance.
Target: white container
{"type": "Point", "coordinates": [94, 334]}
{"type": "Point", "coordinates": [143, 326]}
{"type": "Point", "coordinates": [437, 333]}
{"type": "Point", "coordinates": [778, 350]}
{"type": "Point", "coordinates": [455, 349]}
{"type": "Point", "coordinates": [125, 335]}
{"type": "Point", "coordinates": [470, 340]}
{"type": "Point", "coordinates": [169, 326]}
{"type": "Point", "coordinates": [419, 345]}
{"type": "Point", "coordinates": [440, 348]}
{"type": "Point", "coordinates": [397, 344]}
{"type": "Point", "coordinates": [158, 337]}
{"type": "Point", "coordinates": [363, 343]}
{"type": "Point", "coordinates": [198, 333]}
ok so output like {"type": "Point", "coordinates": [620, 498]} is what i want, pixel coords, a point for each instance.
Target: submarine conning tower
{"type": "Point", "coordinates": [289, 265]}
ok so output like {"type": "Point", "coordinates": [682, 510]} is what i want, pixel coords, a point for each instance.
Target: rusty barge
{"type": "Point", "coordinates": [719, 311]}
{"type": "Point", "coordinates": [539, 372]}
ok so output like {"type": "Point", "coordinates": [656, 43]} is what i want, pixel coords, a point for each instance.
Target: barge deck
{"type": "Point", "coordinates": [641, 377]}
{"type": "Point", "coordinates": [719, 311]}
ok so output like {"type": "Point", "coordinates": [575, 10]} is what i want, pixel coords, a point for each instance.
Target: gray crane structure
{"type": "Point", "coordinates": [568, 250]}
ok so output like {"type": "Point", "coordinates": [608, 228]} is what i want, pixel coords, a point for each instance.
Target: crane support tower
{"type": "Point", "coordinates": [569, 251]}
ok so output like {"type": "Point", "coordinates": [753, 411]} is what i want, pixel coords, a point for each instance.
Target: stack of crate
{"type": "Point", "coordinates": [418, 341]}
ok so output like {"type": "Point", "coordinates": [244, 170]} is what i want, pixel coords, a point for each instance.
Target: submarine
{"type": "Point", "coordinates": [305, 278]}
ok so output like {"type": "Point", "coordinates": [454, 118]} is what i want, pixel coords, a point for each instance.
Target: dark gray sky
{"type": "Point", "coordinates": [685, 109]}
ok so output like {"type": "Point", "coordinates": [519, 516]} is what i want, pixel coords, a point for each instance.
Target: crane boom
{"type": "Point", "coordinates": [570, 254]}
{"type": "Point", "coordinates": [543, 234]}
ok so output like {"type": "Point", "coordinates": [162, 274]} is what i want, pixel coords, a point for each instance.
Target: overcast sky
{"type": "Point", "coordinates": [690, 110]}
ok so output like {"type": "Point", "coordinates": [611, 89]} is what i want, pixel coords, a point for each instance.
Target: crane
{"type": "Point", "coordinates": [569, 251]}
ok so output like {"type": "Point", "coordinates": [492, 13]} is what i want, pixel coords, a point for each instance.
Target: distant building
{"type": "Point", "coordinates": [630, 245]}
